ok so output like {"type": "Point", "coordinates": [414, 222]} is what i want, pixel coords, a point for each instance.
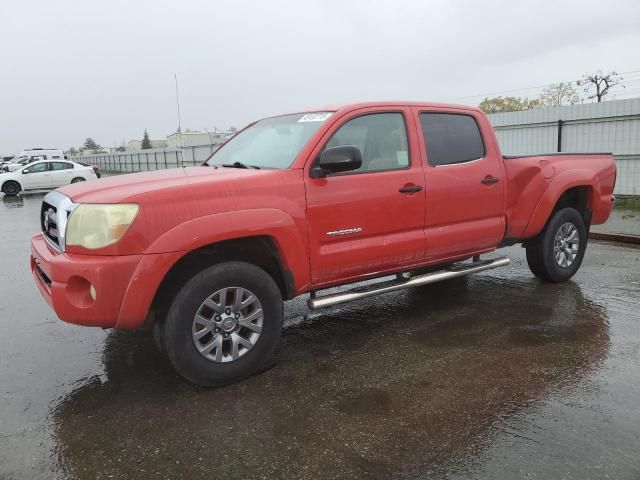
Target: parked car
{"type": "Point", "coordinates": [13, 166]}
{"type": "Point", "coordinates": [31, 155]}
{"type": "Point", "coordinates": [43, 175]}
{"type": "Point", "coordinates": [300, 203]}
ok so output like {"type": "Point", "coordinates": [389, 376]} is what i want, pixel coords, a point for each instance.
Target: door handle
{"type": "Point", "coordinates": [488, 180]}
{"type": "Point", "coordinates": [410, 188]}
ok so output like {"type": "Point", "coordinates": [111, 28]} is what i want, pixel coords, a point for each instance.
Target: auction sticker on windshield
{"type": "Point", "coordinates": [315, 117]}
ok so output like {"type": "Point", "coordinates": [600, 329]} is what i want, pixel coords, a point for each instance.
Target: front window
{"type": "Point", "coordinates": [381, 138]}
{"type": "Point", "coordinates": [272, 143]}
{"type": "Point", "coordinates": [37, 168]}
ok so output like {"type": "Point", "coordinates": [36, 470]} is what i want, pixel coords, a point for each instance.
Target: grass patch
{"type": "Point", "coordinates": [628, 202]}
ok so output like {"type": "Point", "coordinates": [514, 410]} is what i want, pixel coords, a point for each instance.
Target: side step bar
{"type": "Point", "coordinates": [454, 271]}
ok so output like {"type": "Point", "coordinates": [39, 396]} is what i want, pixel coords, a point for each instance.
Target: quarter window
{"type": "Point", "coordinates": [381, 137]}
{"type": "Point", "coordinates": [451, 138]}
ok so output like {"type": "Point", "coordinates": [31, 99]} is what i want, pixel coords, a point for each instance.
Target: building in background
{"type": "Point", "coordinates": [135, 145]}
{"type": "Point", "coordinates": [194, 138]}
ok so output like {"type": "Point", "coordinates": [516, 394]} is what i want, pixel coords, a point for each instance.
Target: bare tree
{"type": "Point", "coordinates": [559, 94]}
{"type": "Point", "coordinates": [602, 83]}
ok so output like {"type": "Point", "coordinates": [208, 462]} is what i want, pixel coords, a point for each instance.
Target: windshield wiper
{"type": "Point", "coordinates": [237, 164]}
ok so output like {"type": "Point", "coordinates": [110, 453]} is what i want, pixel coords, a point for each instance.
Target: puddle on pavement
{"type": "Point", "coordinates": [353, 394]}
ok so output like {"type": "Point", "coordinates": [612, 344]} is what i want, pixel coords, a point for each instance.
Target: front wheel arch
{"type": "Point", "coordinates": [260, 251]}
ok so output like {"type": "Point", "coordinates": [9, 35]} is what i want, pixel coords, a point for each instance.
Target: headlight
{"type": "Point", "coordinates": [97, 226]}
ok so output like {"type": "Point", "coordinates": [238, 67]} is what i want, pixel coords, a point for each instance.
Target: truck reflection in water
{"type": "Point", "coordinates": [409, 383]}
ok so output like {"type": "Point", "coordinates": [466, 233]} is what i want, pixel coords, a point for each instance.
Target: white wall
{"type": "Point", "coordinates": [612, 126]}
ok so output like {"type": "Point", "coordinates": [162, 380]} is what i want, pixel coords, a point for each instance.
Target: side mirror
{"type": "Point", "coordinates": [343, 158]}
{"type": "Point", "coordinates": [26, 170]}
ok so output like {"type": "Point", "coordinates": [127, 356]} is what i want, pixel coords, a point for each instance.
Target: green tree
{"type": "Point", "coordinates": [602, 82]}
{"type": "Point", "coordinates": [146, 143]}
{"type": "Point", "coordinates": [121, 148]}
{"type": "Point", "coordinates": [559, 94]}
{"type": "Point", "coordinates": [73, 152]}
{"type": "Point", "coordinates": [507, 104]}
{"type": "Point", "coordinates": [90, 144]}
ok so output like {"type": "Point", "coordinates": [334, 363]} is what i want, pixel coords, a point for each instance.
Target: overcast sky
{"type": "Point", "coordinates": [105, 69]}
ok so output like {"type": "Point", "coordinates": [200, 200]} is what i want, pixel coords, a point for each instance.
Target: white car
{"type": "Point", "coordinates": [44, 175]}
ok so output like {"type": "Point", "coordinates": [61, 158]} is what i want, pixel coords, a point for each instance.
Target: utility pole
{"type": "Point", "coordinates": [175, 75]}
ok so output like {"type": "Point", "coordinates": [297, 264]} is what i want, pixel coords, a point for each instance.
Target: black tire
{"type": "Point", "coordinates": [177, 329]}
{"type": "Point", "coordinates": [541, 255]}
{"type": "Point", "coordinates": [11, 188]}
{"type": "Point", "coordinates": [158, 337]}
{"type": "Point", "coordinates": [77, 179]}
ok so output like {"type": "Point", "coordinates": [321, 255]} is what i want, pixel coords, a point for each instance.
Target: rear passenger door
{"type": "Point", "coordinates": [61, 173]}
{"type": "Point", "coordinates": [464, 184]}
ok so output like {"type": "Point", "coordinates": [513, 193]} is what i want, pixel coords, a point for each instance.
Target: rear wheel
{"type": "Point", "coordinates": [11, 188]}
{"type": "Point", "coordinates": [556, 253]}
{"type": "Point", "coordinates": [77, 179]}
{"type": "Point", "coordinates": [223, 324]}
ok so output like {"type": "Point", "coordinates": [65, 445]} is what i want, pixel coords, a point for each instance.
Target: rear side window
{"type": "Point", "coordinates": [61, 166]}
{"type": "Point", "coordinates": [451, 138]}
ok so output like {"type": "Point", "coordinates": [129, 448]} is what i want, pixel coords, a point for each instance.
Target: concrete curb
{"type": "Point", "coordinates": [615, 237]}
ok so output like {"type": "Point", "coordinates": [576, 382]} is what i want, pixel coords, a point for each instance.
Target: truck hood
{"type": "Point", "coordinates": [128, 187]}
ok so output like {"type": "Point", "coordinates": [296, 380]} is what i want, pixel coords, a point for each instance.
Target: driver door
{"type": "Point", "coordinates": [369, 220]}
{"type": "Point", "coordinates": [35, 176]}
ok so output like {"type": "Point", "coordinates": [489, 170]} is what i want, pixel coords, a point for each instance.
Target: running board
{"type": "Point", "coordinates": [454, 271]}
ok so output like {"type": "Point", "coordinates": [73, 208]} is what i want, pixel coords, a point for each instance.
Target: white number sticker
{"type": "Point", "coordinates": [315, 117]}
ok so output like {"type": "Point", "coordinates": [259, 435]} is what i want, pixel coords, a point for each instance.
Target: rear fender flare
{"type": "Point", "coordinates": [560, 184]}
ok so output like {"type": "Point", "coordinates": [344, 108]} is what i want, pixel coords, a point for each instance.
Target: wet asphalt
{"type": "Point", "coordinates": [497, 376]}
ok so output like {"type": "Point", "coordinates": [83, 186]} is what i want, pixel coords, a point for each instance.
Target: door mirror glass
{"type": "Point", "coordinates": [343, 158]}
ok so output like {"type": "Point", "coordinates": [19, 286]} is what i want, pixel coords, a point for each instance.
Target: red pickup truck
{"type": "Point", "coordinates": [296, 204]}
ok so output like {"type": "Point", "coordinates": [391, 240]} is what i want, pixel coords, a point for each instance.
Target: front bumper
{"type": "Point", "coordinates": [82, 289]}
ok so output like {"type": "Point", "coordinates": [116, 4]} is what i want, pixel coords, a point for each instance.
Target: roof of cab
{"type": "Point", "coordinates": [386, 103]}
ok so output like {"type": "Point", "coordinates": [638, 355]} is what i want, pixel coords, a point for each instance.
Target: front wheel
{"type": "Point", "coordinates": [77, 179]}
{"type": "Point", "coordinates": [556, 253]}
{"type": "Point", "coordinates": [223, 324]}
{"type": "Point", "coordinates": [11, 188]}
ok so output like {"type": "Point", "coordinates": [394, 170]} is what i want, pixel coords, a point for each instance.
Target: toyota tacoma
{"type": "Point", "coordinates": [301, 203]}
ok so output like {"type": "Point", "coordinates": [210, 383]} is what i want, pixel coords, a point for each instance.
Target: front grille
{"type": "Point", "coordinates": [49, 223]}
{"type": "Point", "coordinates": [54, 214]}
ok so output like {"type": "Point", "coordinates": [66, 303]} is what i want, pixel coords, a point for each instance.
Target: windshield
{"type": "Point", "coordinates": [271, 143]}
